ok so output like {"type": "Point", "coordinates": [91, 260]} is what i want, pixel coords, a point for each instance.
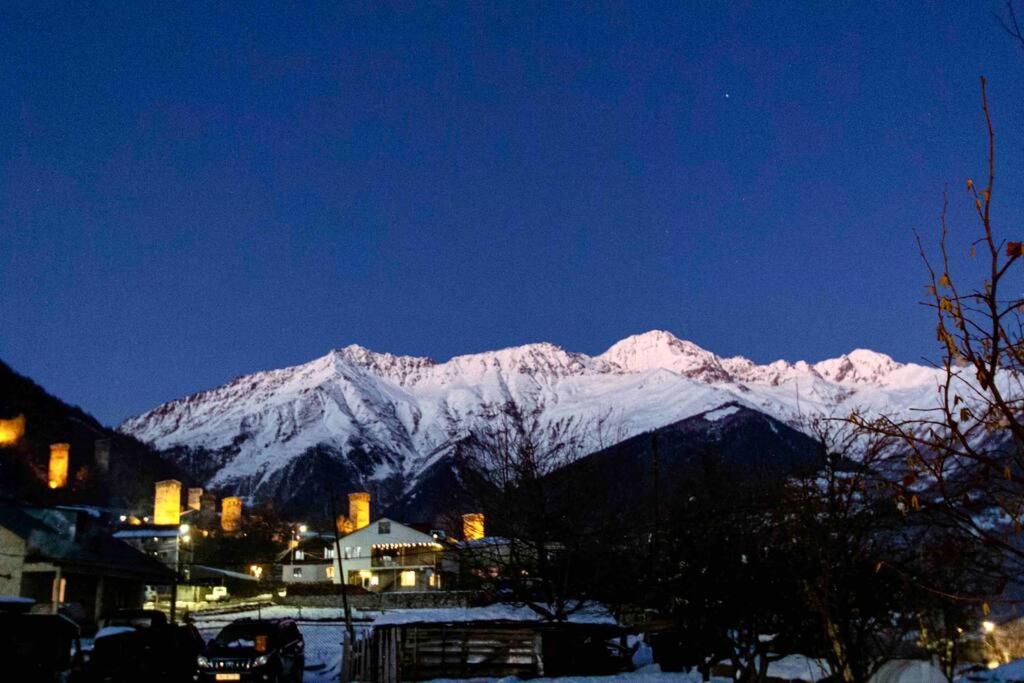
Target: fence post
{"type": "Point", "coordinates": [346, 658]}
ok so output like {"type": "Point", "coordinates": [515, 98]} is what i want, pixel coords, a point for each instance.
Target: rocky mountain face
{"type": "Point", "coordinates": [358, 419]}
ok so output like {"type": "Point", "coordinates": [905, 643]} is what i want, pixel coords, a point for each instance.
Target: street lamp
{"type": "Point", "coordinates": [181, 538]}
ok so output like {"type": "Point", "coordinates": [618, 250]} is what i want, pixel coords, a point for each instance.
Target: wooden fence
{"type": "Point", "coordinates": [425, 651]}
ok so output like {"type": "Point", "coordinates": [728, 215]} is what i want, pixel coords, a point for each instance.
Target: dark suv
{"type": "Point", "coordinates": [269, 650]}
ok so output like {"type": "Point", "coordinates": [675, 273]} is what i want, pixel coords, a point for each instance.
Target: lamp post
{"type": "Point", "coordinates": [181, 538]}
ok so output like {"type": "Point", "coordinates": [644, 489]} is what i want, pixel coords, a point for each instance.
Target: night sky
{"type": "Point", "coordinates": [190, 194]}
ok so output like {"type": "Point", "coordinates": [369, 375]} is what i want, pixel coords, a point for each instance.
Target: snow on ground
{"type": "Point", "coordinates": [719, 413]}
{"type": "Point", "coordinates": [650, 674]}
{"type": "Point", "coordinates": [799, 668]}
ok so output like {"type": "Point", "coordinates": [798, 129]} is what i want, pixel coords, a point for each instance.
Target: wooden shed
{"type": "Point", "coordinates": [491, 642]}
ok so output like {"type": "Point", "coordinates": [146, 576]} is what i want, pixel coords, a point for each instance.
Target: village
{"type": "Point", "coordinates": [122, 592]}
{"type": "Point", "coordinates": [107, 582]}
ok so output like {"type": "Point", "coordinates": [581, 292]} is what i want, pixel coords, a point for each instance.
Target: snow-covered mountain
{"type": "Point", "coordinates": [378, 421]}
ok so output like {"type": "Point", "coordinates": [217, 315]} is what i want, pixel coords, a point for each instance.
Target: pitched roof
{"type": "Point", "coordinates": [55, 535]}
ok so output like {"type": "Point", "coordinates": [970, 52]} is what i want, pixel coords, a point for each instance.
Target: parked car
{"type": "Point", "coordinates": [134, 645]}
{"type": "Point", "coordinates": [264, 650]}
{"type": "Point", "coordinates": [38, 647]}
{"type": "Point", "coordinates": [217, 593]}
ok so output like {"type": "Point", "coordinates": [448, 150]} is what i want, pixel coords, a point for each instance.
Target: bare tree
{"type": "Point", "coordinates": [967, 453]}
{"type": "Point", "coordinates": [513, 453]}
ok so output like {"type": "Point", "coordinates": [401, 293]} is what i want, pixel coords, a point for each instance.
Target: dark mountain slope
{"type": "Point", "coordinates": [731, 449]}
{"type": "Point", "coordinates": [128, 479]}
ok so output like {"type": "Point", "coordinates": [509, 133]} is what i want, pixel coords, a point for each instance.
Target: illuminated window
{"type": "Point", "coordinates": [328, 553]}
{"type": "Point", "coordinates": [374, 580]}
{"type": "Point", "coordinates": [330, 572]}
{"type": "Point", "coordinates": [296, 571]}
{"type": "Point", "coordinates": [299, 555]}
{"type": "Point", "coordinates": [408, 579]}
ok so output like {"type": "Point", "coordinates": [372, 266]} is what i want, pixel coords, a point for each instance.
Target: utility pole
{"type": "Point", "coordinates": [177, 570]}
{"type": "Point", "coordinates": [341, 569]}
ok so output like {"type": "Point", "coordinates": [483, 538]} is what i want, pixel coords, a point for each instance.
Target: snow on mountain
{"type": "Point", "coordinates": [386, 417]}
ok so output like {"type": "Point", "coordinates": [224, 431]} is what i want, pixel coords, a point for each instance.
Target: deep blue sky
{"type": "Point", "coordinates": [189, 194]}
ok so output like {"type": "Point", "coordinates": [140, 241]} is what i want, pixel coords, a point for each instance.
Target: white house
{"type": "Point", "coordinates": [386, 555]}
{"type": "Point", "coordinates": [310, 560]}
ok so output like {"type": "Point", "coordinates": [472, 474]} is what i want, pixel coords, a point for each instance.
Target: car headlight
{"type": "Point", "coordinates": [202, 662]}
{"type": "Point", "coordinates": [262, 660]}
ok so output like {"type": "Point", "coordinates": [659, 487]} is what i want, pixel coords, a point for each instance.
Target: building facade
{"type": "Point", "coordinates": [387, 555]}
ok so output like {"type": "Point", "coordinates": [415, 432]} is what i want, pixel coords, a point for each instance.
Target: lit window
{"type": "Point", "coordinates": [299, 555]}
{"type": "Point", "coordinates": [408, 579]}
{"type": "Point", "coordinates": [296, 571]}
{"type": "Point", "coordinates": [348, 553]}
{"type": "Point", "coordinates": [383, 527]}
{"type": "Point", "coordinates": [330, 572]}
{"type": "Point", "coordinates": [374, 580]}
{"type": "Point", "coordinates": [328, 553]}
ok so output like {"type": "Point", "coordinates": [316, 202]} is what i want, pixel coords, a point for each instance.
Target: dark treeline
{"type": "Point", "coordinates": [739, 560]}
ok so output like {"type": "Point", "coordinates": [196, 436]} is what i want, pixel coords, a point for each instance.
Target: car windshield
{"type": "Point", "coordinates": [244, 635]}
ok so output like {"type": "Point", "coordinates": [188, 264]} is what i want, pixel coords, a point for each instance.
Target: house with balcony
{"type": "Point", "coordinates": [310, 559]}
{"type": "Point", "coordinates": [386, 555]}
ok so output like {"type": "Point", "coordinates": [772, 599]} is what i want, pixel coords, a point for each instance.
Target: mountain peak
{"type": "Point", "coordinates": [659, 349]}
{"type": "Point", "coordinates": [861, 366]}
{"type": "Point", "coordinates": [396, 368]}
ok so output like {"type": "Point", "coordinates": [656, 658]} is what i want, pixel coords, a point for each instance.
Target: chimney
{"type": "Point", "coordinates": [167, 502]}
{"type": "Point", "coordinates": [101, 454]}
{"type": "Point", "coordinates": [60, 453]}
{"type": "Point", "coordinates": [473, 526]}
{"type": "Point", "coordinates": [12, 430]}
{"type": "Point", "coordinates": [231, 514]}
{"type": "Point", "coordinates": [359, 509]}
{"type": "Point", "coordinates": [195, 499]}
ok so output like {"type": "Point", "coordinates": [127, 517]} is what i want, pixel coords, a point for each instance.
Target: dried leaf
{"type": "Point", "coordinates": [944, 280]}
{"type": "Point", "coordinates": [984, 608]}
{"type": "Point", "coordinates": [970, 184]}
{"type": "Point", "coordinates": [965, 414]}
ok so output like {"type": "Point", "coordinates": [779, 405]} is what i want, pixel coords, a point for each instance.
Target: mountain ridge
{"type": "Point", "coordinates": [395, 413]}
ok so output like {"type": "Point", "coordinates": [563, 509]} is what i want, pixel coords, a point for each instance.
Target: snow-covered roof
{"type": "Point", "coordinates": [15, 600]}
{"type": "Point", "coordinates": [588, 614]}
{"type": "Point", "coordinates": [147, 533]}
